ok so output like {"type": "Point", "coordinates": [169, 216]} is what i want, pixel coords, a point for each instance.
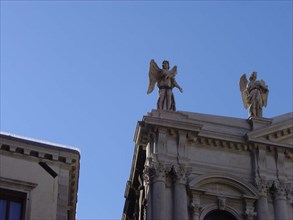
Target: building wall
{"type": "Point", "coordinates": [196, 164]}
{"type": "Point", "coordinates": [48, 196]}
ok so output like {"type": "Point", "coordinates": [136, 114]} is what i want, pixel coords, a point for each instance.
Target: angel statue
{"type": "Point", "coordinates": [254, 94]}
{"type": "Point", "coordinates": [165, 80]}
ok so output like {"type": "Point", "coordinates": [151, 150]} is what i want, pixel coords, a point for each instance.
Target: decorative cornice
{"type": "Point", "coordinates": [269, 143]}
{"type": "Point", "coordinates": [285, 127]}
{"type": "Point", "coordinates": [211, 133]}
{"type": "Point", "coordinates": [225, 144]}
{"type": "Point", "coordinates": [171, 123]}
{"type": "Point", "coordinates": [16, 148]}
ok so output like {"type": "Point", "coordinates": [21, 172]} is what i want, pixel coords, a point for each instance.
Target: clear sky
{"type": "Point", "coordinates": [76, 73]}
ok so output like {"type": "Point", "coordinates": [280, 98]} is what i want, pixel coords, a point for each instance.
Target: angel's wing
{"type": "Point", "coordinates": [264, 94]}
{"type": "Point", "coordinates": [154, 76]}
{"type": "Point", "coordinates": [244, 94]}
{"type": "Point", "coordinates": [173, 71]}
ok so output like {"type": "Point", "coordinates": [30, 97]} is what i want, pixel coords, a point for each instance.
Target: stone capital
{"type": "Point", "coordinates": [181, 173]}
{"type": "Point", "coordinates": [155, 172]}
{"type": "Point", "coordinates": [262, 186]}
{"type": "Point", "coordinates": [279, 190]}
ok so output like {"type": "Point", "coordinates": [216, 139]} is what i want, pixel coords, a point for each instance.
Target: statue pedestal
{"type": "Point", "coordinates": [258, 122]}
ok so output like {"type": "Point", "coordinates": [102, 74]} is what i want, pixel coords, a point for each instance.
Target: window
{"type": "Point", "coordinates": [12, 204]}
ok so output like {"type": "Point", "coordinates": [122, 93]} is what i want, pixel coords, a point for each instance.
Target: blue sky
{"type": "Point", "coordinates": [76, 73]}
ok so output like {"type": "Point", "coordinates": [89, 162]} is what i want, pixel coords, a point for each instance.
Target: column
{"type": "Point", "coordinates": [262, 202]}
{"type": "Point", "coordinates": [280, 201]}
{"type": "Point", "coordinates": [180, 209]}
{"type": "Point", "coordinates": [158, 188]}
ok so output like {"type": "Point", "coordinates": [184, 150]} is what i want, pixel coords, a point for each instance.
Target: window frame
{"type": "Point", "coordinates": [9, 196]}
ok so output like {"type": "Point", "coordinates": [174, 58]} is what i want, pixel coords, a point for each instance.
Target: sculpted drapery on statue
{"type": "Point", "coordinates": [165, 80]}
{"type": "Point", "coordinates": [254, 94]}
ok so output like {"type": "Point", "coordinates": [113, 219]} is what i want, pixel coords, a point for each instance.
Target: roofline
{"type": "Point", "coordinates": [39, 143]}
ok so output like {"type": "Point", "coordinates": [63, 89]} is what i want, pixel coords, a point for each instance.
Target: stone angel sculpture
{"type": "Point", "coordinates": [254, 94]}
{"type": "Point", "coordinates": [165, 80]}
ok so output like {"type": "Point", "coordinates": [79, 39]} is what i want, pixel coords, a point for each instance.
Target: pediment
{"type": "Point", "coordinates": [279, 132]}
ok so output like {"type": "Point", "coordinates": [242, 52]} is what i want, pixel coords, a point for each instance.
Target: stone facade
{"type": "Point", "coordinates": [46, 174]}
{"type": "Point", "coordinates": [196, 166]}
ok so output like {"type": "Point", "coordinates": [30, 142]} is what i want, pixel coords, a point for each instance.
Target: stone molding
{"type": "Point", "coordinates": [224, 144]}
{"type": "Point", "coordinates": [16, 184]}
{"type": "Point", "coordinates": [30, 151]}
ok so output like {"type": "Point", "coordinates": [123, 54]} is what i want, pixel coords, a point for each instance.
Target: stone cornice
{"type": "Point", "coordinates": [172, 124]}
{"type": "Point", "coordinates": [40, 144]}
{"type": "Point", "coordinates": [268, 143]}
{"type": "Point", "coordinates": [279, 129]}
{"type": "Point", "coordinates": [213, 133]}
{"type": "Point", "coordinates": [221, 136]}
{"type": "Point", "coordinates": [31, 149]}
{"type": "Point", "coordinates": [225, 144]}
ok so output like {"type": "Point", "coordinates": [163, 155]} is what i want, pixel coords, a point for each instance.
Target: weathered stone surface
{"type": "Point", "coordinates": [213, 163]}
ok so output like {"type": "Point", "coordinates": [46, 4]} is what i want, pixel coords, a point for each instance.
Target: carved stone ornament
{"type": "Point", "coordinates": [262, 186]}
{"type": "Point", "coordinates": [221, 203]}
{"type": "Point", "coordinates": [250, 214]}
{"type": "Point", "coordinates": [195, 207]}
{"type": "Point", "coordinates": [279, 189]}
{"type": "Point", "coordinates": [156, 172]}
{"type": "Point", "coordinates": [181, 173]}
{"type": "Point", "coordinates": [165, 80]}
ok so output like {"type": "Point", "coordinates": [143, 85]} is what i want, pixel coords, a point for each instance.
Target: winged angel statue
{"type": "Point", "coordinates": [165, 80]}
{"type": "Point", "coordinates": [254, 94]}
